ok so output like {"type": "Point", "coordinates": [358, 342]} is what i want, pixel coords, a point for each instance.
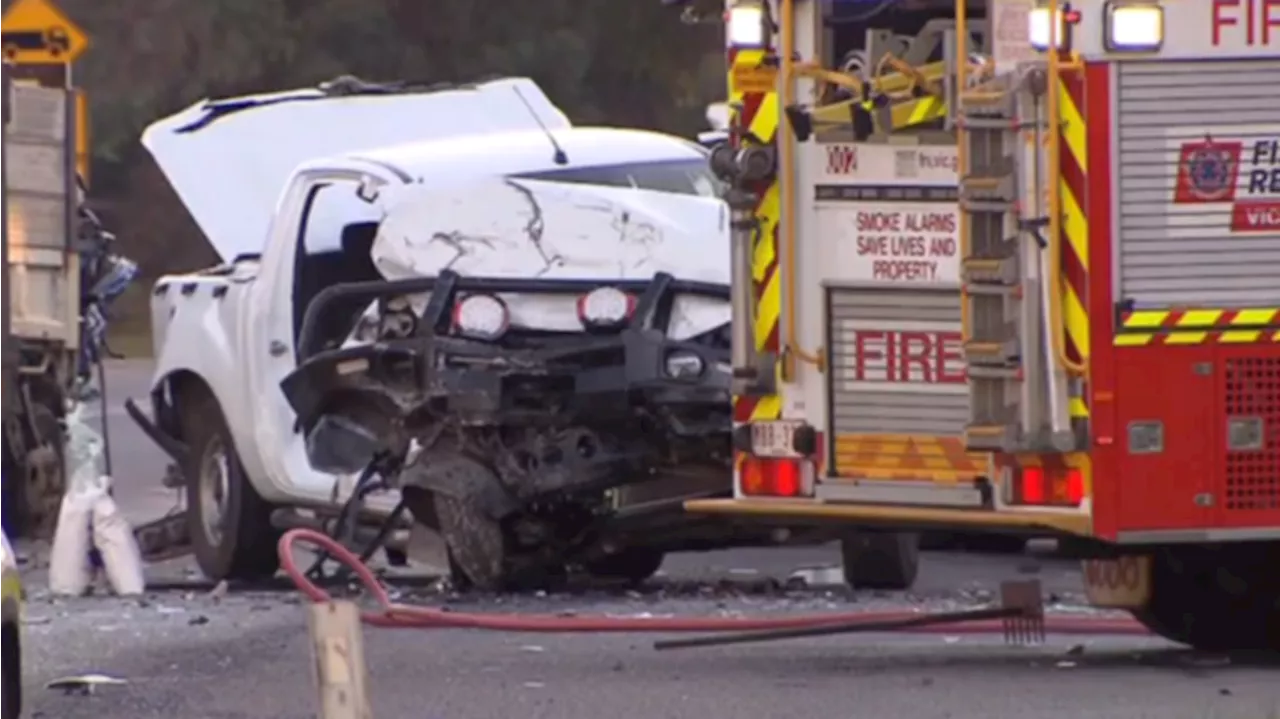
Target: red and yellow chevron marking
{"type": "Point", "coordinates": [1075, 227]}
{"type": "Point", "coordinates": [753, 97]}
{"type": "Point", "coordinates": [919, 458]}
{"type": "Point", "coordinates": [1199, 326]}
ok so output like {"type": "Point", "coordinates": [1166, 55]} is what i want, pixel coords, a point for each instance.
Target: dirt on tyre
{"type": "Point", "coordinates": [11, 696]}
{"type": "Point", "coordinates": [881, 560]}
{"type": "Point", "coordinates": [482, 554]}
{"type": "Point", "coordinates": [634, 564]}
{"type": "Point", "coordinates": [477, 545]}
{"type": "Point", "coordinates": [230, 523]}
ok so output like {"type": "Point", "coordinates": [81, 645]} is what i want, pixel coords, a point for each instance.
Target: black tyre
{"type": "Point", "coordinates": [1215, 601]}
{"type": "Point", "coordinates": [11, 692]}
{"type": "Point", "coordinates": [476, 543]}
{"type": "Point", "coordinates": [34, 484]}
{"type": "Point", "coordinates": [634, 564]}
{"type": "Point", "coordinates": [881, 560]}
{"type": "Point", "coordinates": [482, 552]}
{"type": "Point", "coordinates": [230, 523]}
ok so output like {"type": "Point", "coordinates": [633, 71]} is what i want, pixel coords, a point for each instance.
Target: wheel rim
{"type": "Point", "coordinates": [215, 489]}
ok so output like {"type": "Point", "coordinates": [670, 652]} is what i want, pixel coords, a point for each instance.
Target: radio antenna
{"type": "Point", "coordinates": [560, 158]}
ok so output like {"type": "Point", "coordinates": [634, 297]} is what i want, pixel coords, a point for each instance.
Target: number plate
{"type": "Point", "coordinates": [1122, 583]}
{"type": "Point", "coordinates": [774, 439]}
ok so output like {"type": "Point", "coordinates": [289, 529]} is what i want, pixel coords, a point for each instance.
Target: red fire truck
{"type": "Point", "coordinates": [1080, 338]}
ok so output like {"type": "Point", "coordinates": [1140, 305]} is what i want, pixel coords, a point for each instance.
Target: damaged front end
{"type": "Point", "coordinates": [553, 427]}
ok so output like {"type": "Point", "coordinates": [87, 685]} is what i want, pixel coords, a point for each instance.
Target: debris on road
{"type": "Point", "coordinates": [84, 683]}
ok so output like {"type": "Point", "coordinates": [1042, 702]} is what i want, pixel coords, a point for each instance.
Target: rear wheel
{"type": "Point", "coordinates": [881, 560]}
{"type": "Point", "coordinates": [230, 523]}
{"type": "Point", "coordinates": [634, 564]}
{"type": "Point", "coordinates": [1216, 600]}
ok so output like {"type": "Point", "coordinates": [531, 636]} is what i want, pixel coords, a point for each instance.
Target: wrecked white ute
{"type": "Point", "coordinates": [521, 333]}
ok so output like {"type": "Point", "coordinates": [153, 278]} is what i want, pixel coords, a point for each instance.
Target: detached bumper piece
{"type": "Point", "coordinates": [593, 370]}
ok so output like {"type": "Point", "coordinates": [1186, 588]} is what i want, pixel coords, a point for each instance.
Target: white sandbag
{"type": "Point", "coordinates": [121, 557]}
{"type": "Point", "coordinates": [69, 569]}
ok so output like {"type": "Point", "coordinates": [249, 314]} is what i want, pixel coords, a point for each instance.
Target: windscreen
{"type": "Point", "coordinates": [690, 176]}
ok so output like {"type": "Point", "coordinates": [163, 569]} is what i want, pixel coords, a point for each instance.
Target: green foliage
{"type": "Point", "coordinates": [621, 62]}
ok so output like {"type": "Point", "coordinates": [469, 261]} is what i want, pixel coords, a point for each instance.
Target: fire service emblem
{"type": "Point", "coordinates": [1207, 171]}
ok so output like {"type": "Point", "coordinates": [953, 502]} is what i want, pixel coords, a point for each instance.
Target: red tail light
{"type": "Point", "coordinates": [1059, 487]}
{"type": "Point", "coordinates": [768, 477]}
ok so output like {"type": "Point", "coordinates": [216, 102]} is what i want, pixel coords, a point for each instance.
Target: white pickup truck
{"type": "Point", "coordinates": [516, 326]}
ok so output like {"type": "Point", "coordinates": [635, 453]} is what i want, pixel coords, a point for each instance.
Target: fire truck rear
{"type": "Point", "coordinates": [849, 354]}
{"type": "Point", "coordinates": [1093, 353]}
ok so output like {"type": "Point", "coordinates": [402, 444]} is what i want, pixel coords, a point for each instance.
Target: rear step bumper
{"type": "Point", "coordinates": [792, 510]}
{"type": "Point", "coordinates": [899, 492]}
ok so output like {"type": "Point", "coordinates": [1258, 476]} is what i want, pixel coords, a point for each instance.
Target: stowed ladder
{"type": "Point", "coordinates": [1018, 386]}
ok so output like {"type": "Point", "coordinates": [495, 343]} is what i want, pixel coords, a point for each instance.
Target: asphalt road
{"type": "Point", "coordinates": [195, 655]}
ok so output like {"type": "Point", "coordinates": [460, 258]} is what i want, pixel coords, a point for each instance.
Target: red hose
{"type": "Point", "coordinates": [392, 614]}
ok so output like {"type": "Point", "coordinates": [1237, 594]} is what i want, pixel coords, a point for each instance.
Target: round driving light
{"type": "Point", "coordinates": [481, 317]}
{"type": "Point", "coordinates": [605, 306]}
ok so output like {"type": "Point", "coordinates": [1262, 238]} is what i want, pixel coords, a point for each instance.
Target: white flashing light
{"type": "Point", "coordinates": [746, 25]}
{"type": "Point", "coordinates": [1041, 32]}
{"type": "Point", "coordinates": [1134, 27]}
{"type": "Point", "coordinates": [605, 306]}
{"type": "Point", "coordinates": [483, 317]}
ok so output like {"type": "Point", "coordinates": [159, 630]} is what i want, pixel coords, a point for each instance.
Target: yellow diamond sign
{"type": "Point", "coordinates": [34, 31]}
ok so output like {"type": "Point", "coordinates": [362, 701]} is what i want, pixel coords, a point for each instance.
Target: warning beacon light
{"type": "Point", "coordinates": [747, 25]}
{"type": "Point", "coordinates": [1134, 27]}
{"type": "Point", "coordinates": [1044, 32]}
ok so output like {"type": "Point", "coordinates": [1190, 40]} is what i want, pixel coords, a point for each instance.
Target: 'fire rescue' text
{"type": "Point", "coordinates": [1244, 174]}
{"type": "Point", "coordinates": [1256, 22]}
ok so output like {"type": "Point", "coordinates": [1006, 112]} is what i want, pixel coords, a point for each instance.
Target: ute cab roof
{"type": "Point", "coordinates": [229, 159]}
{"type": "Point", "coordinates": [529, 151]}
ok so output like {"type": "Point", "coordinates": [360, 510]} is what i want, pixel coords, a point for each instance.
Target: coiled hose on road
{"type": "Point", "coordinates": [393, 614]}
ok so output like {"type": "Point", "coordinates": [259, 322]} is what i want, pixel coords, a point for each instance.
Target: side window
{"type": "Point", "coordinates": [334, 244]}
{"type": "Point", "coordinates": [330, 208]}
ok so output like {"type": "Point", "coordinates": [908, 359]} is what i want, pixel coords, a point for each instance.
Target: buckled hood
{"type": "Point", "coordinates": [228, 160]}
{"type": "Point", "coordinates": [534, 228]}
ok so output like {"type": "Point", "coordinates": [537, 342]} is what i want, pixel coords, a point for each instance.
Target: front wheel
{"type": "Point", "coordinates": [482, 554]}
{"type": "Point", "coordinates": [881, 560]}
{"type": "Point", "coordinates": [230, 523]}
